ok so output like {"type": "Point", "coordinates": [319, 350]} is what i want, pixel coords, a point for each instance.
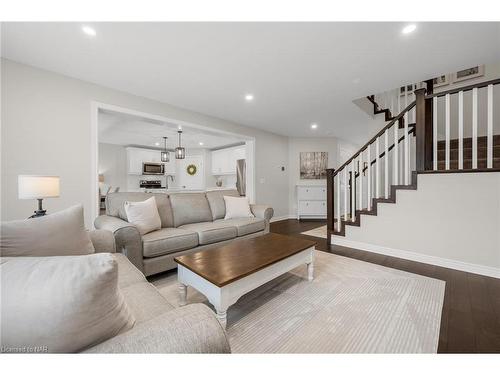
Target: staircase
{"type": "Point", "coordinates": [416, 140]}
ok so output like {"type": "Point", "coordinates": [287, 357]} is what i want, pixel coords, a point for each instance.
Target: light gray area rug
{"type": "Point", "coordinates": [320, 232]}
{"type": "Point", "coordinates": [350, 307]}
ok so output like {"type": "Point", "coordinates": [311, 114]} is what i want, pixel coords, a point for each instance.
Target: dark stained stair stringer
{"type": "Point", "coordinates": [375, 202]}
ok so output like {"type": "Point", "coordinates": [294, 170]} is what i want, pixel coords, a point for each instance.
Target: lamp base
{"type": "Point", "coordinates": [40, 211]}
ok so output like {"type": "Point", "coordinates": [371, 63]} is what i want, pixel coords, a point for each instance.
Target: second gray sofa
{"type": "Point", "coordinates": [190, 222]}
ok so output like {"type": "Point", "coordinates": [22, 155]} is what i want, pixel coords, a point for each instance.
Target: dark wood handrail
{"type": "Point", "coordinates": [389, 125]}
{"type": "Point", "coordinates": [465, 88]}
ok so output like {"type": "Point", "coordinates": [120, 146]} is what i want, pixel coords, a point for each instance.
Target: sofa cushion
{"type": "Point", "coordinates": [245, 226]}
{"type": "Point", "coordinates": [145, 301]}
{"type": "Point", "coordinates": [168, 240]}
{"type": "Point", "coordinates": [60, 233]}
{"type": "Point", "coordinates": [63, 303]}
{"type": "Point", "coordinates": [144, 215]}
{"type": "Point", "coordinates": [216, 201]}
{"type": "Point", "coordinates": [237, 208]}
{"type": "Point", "coordinates": [190, 208]}
{"type": "Point", "coordinates": [211, 232]}
{"type": "Point", "coordinates": [128, 274]}
{"type": "Point", "coordinates": [115, 205]}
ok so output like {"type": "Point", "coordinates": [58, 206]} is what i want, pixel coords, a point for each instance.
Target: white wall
{"type": "Point", "coordinates": [450, 220]}
{"type": "Point", "coordinates": [331, 145]}
{"type": "Point", "coordinates": [113, 166]}
{"type": "Point", "coordinates": [46, 119]}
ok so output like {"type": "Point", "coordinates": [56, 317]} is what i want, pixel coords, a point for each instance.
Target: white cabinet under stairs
{"type": "Point", "coordinates": [311, 202]}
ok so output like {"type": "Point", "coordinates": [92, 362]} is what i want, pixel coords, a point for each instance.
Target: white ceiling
{"type": "Point", "coordinates": [128, 130]}
{"type": "Point", "coordinates": [299, 72]}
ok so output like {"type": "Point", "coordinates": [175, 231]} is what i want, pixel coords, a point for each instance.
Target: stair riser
{"type": "Point", "coordinates": [467, 142]}
{"type": "Point", "coordinates": [481, 163]}
{"type": "Point", "coordinates": [482, 153]}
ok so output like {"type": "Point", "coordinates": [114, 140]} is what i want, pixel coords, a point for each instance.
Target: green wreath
{"type": "Point", "coordinates": [191, 169]}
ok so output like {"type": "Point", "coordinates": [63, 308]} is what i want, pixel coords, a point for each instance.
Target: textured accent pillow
{"type": "Point", "coordinates": [60, 233]}
{"type": "Point", "coordinates": [144, 215]}
{"type": "Point", "coordinates": [237, 207]}
{"type": "Point", "coordinates": [61, 304]}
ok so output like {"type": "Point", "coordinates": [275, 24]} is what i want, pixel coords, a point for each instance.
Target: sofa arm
{"type": "Point", "coordinates": [262, 211]}
{"type": "Point", "coordinates": [189, 329]}
{"type": "Point", "coordinates": [127, 238]}
{"type": "Point", "coordinates": [103, 241]}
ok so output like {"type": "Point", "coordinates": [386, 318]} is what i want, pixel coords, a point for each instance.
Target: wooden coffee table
{"type": "Point", "coordinates": [226, 273]}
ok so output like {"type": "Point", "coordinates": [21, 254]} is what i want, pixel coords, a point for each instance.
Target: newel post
{"type": "Point", "coordinates": [330, 209]}
{"type": "Point", "coordinates": [423, 131]}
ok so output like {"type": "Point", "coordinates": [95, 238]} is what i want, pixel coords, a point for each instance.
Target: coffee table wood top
{"type": "Point", "coordinates": [238, 259]}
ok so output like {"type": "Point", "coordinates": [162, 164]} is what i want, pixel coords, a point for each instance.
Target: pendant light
{"type": "Point", "coordinates": [165, 155]}
{"type": "Point", "coordinates": [180, 152]}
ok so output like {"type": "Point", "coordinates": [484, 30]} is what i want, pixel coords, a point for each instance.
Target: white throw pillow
{"type": "Point", "coordinates": [237, 207]}
{"type": "Point", "coordinates": [144, 215]}
{"type": "Point", "coordinates": [61, 304]}
{"type": "Point", "coordinates": [60, 233]}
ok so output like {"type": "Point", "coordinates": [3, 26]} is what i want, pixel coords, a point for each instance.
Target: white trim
{"type": "Point", "coordinates": [280, 218]}
{"type": "Point", "coordinates": [416, 257]}
{"type": "Point", "coordinates": [95, 106]}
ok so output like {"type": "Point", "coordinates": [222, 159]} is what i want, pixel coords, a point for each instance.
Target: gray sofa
{"type": "Point", "coordinates": [190, 222]}
{"type": "Point", "coordinates": [159, 326]}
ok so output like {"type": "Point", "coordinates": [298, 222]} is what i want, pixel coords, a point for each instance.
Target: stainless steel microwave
{"type": "Point", "coordinates": [153, 168]}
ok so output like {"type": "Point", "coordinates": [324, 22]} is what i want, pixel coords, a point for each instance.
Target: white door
{"type": "Point", "coordinates": [195, 181]}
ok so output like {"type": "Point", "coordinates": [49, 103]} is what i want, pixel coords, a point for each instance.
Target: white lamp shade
{"type": "Point", "coordinates": [36, 187]}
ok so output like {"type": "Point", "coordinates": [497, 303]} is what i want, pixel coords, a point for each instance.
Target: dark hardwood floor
{"type": "Point", "coordinates": [470, 321]}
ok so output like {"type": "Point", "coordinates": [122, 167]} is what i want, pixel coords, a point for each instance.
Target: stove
{"type": "Point", "coordinates": [151, 184]}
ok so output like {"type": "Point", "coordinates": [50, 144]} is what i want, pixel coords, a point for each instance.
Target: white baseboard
{"type": "Point", "coordinates": [423, 258]}
{"type": "Point", "coordinates": [279, 218]}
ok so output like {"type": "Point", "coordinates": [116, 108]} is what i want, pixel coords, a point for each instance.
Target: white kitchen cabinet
{"type": "Point", "coordinates": [224, 161]}
{"type": "Point", "coordinates": [136, 156]}
{"type": "Point", "coordinates": [311, 201]}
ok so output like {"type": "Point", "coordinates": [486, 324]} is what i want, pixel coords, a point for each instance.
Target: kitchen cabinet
{"type": "Point", "coordinates": [136, 156]}
{"type": "Point", "coordinates": [224, 161]}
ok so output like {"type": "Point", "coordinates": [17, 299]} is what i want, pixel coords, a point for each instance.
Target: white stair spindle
{"type": "Point", "coordinates": [489, 141]}
{"type": "Point", "coordinates": [395, 155]}
{"type": "Point", "coordinates": [346, 185]}
{"type": "Point", "coordinates": [460, 130]}
{"type": "Point", "coordinates": [360, 182]}
{"type": "Point", "coordinates": [434, 133]}
{"type": "Point", "coordinates": [368, 179]}
{"type": "Point", "coordinates": [406, 151]}
{"type": "Point", "coordinates": [474, 128]}
{"type": "Point", "coordinates": [339, 222]}
{"type": "Point", "coordinates": [399, 102]}
{"type": "Point", "coordinates": [353, 190]}
{"type": "Point", "coordinates": [377, 168]}
{"type": "Point", "coordinates": [386, 163]}
{"type": "Point", "coordinates": [447, 131]}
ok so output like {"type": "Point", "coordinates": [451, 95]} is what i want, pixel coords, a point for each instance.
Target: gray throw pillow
{"type": "Point", "coordinates": [60, 233]}
{"type": "Point", "coordinates": [60, 304]}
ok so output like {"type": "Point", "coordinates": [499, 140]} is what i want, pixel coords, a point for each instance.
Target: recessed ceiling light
{"type": "Point", "coordinates": [249, 97]}
{"type": "Point", "coordinates": [314, 126]}
{"type": "Point", "coordinates": [157, 143]}
{"type": "Point", "coordinates": [409, 29]}
{"type": "Point", "coordinates": [201, 143]}
{"type": "Point", "coordinates": [89, 30]}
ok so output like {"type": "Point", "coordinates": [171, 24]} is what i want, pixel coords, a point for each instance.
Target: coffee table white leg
{"type": "Point", "coordinates": [222, 317]}
{"type": "Point", "coordinates": [182, 294]}
{"type": "Point", "coordinates": [310, 271]}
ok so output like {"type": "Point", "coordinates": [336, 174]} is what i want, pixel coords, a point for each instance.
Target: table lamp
{"type": "Point", "coordinates": [38, 187]}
